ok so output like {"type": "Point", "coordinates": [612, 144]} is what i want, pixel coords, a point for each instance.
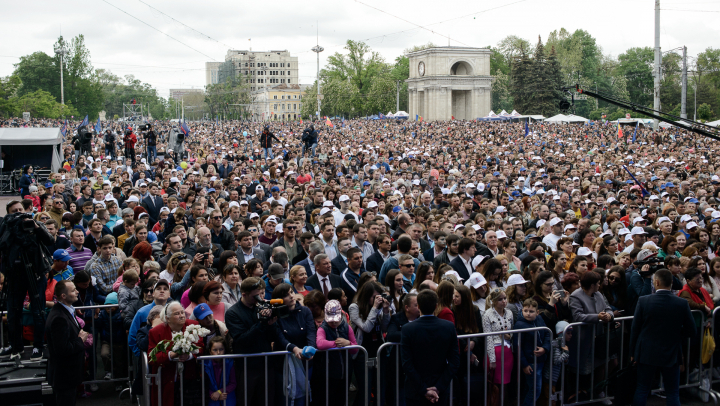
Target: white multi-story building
{"type": "Point", "coordinates": [259, 69]}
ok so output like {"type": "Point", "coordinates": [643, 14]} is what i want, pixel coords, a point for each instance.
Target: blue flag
{"type": "Point", "coordinates": [527, 129]}
{"type": "Point", "coordinates": [216, 120]}
{"type": "Point", "coordinates": [185, 128]}
{"type": "Point", "coordinates": [635, 133]}
{"type": "Point", "coordinates": [98, 127]}
{"type": "Point", "coordinates": [63, 130]}
{"type": "Point", "coordinates": [84, 122]}
{"type": "Point", "coordinates": [644, 192]}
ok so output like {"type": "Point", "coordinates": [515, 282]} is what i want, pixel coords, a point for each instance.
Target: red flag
{"type": "Point", "coordinates": [453, 117]}
{"type": "Point", "coordinates": [620, 133]}
{"type": "Point", "coordinates": [329, 123]}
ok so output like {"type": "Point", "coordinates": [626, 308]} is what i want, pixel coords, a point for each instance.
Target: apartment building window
{"type": "Point", "coordinates": [288, 73]}
{"type": "Point", "coordinates": [288, 80]}
{"type": "Point", "coordinates": [282, 72]}
{"type": "Point", "coordinates": [275, 97]}
{"type": "Point", "coordinates": [282, 80]}
{"type": "Point", "coordinates": [274, 106]}
{"type": "Point", "coordinates": [288, 64]}
{"type": "Point", "coordinates": [294, 106]}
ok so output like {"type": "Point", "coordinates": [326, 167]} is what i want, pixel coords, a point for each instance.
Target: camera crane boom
{"type": "Point", "coordinates": [684, 123]}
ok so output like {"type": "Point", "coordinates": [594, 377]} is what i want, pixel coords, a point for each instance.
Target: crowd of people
{"type": "Point", "coordinates": [351, 224]}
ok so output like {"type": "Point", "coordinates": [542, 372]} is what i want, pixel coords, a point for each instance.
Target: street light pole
{"type": "Point", "coordinates": [61, 51]}
{"type": "Point", "coordinates": [317, 49]}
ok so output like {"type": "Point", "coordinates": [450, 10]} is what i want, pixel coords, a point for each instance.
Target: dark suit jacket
{"type": "Point", "coordinates": [257, 254]}
{"type": "Point", "coordinates": [459, 266]}
{"type": "Point", "coordinates": [305, 263]}
{"type": "Point", "coordinates": [299, 257]}
{"type": "Point", "coordinates": [338, 265]}
{"type": "Point", "coordinates": [374, 263]}
{"type": "Point", "coordinates": [314, 282]}
{"type": "Point", "coordinates": [153, 209]}
{"type": "Point", "coordinates": [441, 259]}
{"type": "Point", "coordinates": [426, 368]}
{"type": "Point", "coordinates": [662, 322]}
{"type": "Point", "coordinates": [67, 351]}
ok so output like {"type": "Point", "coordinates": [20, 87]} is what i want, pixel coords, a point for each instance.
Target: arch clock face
{"type": "Point", "coordinates": [421, 68]}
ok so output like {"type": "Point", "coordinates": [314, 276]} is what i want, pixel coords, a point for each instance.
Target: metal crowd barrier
{"type": "Point", "coordinates": [95, 355]}
{"type": "Point", "coordinates": [157, 376]}
{"type": "Point", "coordinates": [621, 360]}
{"type": "Point", "coordinates": [499, 364]}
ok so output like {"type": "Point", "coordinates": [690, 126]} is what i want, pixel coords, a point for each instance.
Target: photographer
{"type": "Point", "coordinates": [640, 281]}
{"type": "Point", "coordinates": [25, 262]}
{"type": "Point", "coordinates": [253, 331]}
{"type": "Point", "coordinates": [85, 136]}
{"type": "Point", "coordinates": [309, 139]}
{"type": "Point", "coordinates": [151, 140]}
{"type": "Point", "coordinates": [130, 140]}
{"type": "Point", "coordinates": [110, 143]}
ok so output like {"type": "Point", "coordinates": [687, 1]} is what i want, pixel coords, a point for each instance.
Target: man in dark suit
{"type": "Point", "coordinates": [245, 251]}
{"type": "Point", "coordinates": [375, 261]}
{"type": "Point", "coordinates": [323, 278]}
{"type": "Point", "coordinates": [462, 263]}
{"type": "Point", "coordinates": [452, 241]}
{"type": "Point", "coordinates": [662, 322]}
{"type": "Point", "coordinates": [315, 248]}
{"type": "Point", "coordinates": [153, 203]}
{"type": "Point", "coordinates": [428, 372]}
{"type": "Point", "coordinates": [339, 263]}
{"type": "Point", "coordinates": [65, 342]}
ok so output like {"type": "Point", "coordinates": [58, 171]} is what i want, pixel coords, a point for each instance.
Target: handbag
{"type": "Point", "coordinates": [708, 346]}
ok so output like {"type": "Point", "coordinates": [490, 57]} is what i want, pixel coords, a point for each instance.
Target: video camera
{"type": "Point", "coordinates": [276, 307]}
{"type": "Point", "coordinates": [145, 127]}
{"type": "Point", "coordinates": [84, 134]}
{"type": "Point", "coordinates": [655, 264]}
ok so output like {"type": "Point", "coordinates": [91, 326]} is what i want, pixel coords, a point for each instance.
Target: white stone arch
{"type": "Point", "coordinates": [462, 67]}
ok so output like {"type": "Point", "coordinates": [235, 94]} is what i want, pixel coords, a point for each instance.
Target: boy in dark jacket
{"type": "Point", "coordinates": [533, 352]}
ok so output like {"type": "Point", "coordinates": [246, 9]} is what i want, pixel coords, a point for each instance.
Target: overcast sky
{"type": "Point", "coordinates": [124, 45]}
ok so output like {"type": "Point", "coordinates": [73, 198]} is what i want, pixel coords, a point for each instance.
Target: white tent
{"type": "Point", "coordinates": [492, 114]}
{"type": "Point", "coordinates": [561, 118]}
{"type": "Point", "coordinates": [715, 123]}
{"type": "Point", "coordinates": [515, 114]}
{"type": "Point", "coordinates": [401, 114]}
{"type": "Point", "coordinates": [504, 114]}
{"type": "Point", "coordinates": [36, 146]}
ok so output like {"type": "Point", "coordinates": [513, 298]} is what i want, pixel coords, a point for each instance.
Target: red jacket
{"type": "Point", "coordinates": [157, 334]}
{"type": "Point", "coordinates": [130, 140]}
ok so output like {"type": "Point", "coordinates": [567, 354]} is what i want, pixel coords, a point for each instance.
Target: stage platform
{"type": "Point", "coordinates": [24, 382]}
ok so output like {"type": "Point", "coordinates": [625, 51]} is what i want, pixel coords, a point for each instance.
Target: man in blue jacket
{"type": "Point", "coordinates": [532, 353]}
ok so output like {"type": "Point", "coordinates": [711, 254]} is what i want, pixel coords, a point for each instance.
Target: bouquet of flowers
{"type": "Point", "coordinates": [181, 343]}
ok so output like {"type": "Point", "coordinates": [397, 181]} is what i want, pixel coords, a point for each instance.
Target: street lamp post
{"type": "Point", "coordinates": [317, 49]}
{"type": "Point", "coordinates": [61, 51]}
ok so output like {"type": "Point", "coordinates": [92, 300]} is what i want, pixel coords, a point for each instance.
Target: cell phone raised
{"type": "Point", "coordinates": [560, 292]}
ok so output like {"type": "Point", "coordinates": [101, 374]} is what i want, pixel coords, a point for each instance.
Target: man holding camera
{"type": "Point", "coordinates": [25, 263]}
{"type": "Point", "coordinates": [109, 143]}
{"type": "Point", "coordinates": [151, 140]}
{"type": "Point", "coordinates": [254, 330]}
{"type": "Point", "coordinates": [130, 141]}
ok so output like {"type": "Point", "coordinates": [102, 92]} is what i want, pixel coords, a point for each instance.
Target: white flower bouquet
{"type": "Point", "coordinates": [181, 343]}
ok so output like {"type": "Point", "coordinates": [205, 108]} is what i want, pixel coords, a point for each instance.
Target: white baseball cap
{"type": "Point", "coordinates": [477, 260]}
{"type": "Point", "coordinates": [584, 251]}
{"type": "Point", "coordinates": [344, 198]}
{"type": "Point", "coordinates": [516, 279]}
{"type": "Point", "coordinates": [500, 234]}
{"type": "Point", "coordinates": [475, 281]}
{"type": "Point", "coordinates": [555, 221]}
{"type": "Point", "coordinates": [685, 218]}
{"type": "Point", "coordinates": [638, 231]}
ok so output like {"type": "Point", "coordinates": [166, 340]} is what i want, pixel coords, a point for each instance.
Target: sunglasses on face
{"type": "Point", "coordinates": [217, 217]}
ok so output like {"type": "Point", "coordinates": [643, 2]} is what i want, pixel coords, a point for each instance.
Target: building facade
{"type": "Point", "coordinates": [260, 69]}
{"type": "Point", "coordinates": [449, 82]}
{"type": "Point", "coordinates": [177, 94]}
{"type": "Point", "coordinates": [281, 102]}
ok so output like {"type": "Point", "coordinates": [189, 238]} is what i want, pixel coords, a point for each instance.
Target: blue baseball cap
{"type": "Point", "coordinates": [608, 181]}
{"type": "Point", "coordinates": [84, 178]}
{"type": "Point", "coordinates": [653, 179]}
{"type": "Point", "coordinates": [496, 173]}
{"type": "Point", "coordinates": [201, 311]}
{"type": "Point", "coordinates": [61, 255]}
{"type": "Point", "coordinates": [211, 190]}
{"type": "Point", "coordinates": [366, 183]}
{"type": "Point", "coordinates": [523, 169]}
{"type": "Point", "coordinates": [694, 200]}
{"type": "Point", "coordinates": [274, 189]}
{"type": "Point", "coordinates": [397, 209]}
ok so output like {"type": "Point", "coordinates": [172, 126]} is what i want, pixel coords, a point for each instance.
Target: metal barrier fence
{"type": "Point", "coordinates": [468, 385]}
{"type": "Point", "coordinates": [621, 362]}
{"type": "Point", "coordinates": [96, 334]}
{"type": "Point", "coordinates": [147, 401]}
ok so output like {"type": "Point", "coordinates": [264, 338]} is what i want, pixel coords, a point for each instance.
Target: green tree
{"type": "Point", "coordinates": [38, 71]}
{"type": "Point", "coordinates": [42, 104]}
{"type": "Point", "coordinates": [636, 65]}
{"type": "Point", "coordinates": [8, 92]}
{"type": "Point", "coordinates": [521, 80]}
{"type": "Point", "coordinates": [705, 112]}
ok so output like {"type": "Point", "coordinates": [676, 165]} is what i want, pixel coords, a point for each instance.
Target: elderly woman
{"type": "Point", "coordinates": [231, 284]}
{"type": "Point", "coordinates": [174, 321]}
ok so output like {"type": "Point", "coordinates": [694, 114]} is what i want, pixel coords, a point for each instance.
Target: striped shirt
{"type": "Point", "coordinates": [79, 257]}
